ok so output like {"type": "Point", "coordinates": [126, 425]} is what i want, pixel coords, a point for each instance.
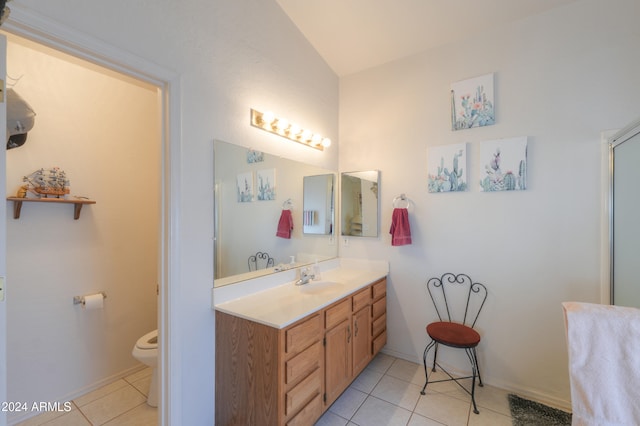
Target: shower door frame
{"type": "Point", "coordinates": [617, 139]}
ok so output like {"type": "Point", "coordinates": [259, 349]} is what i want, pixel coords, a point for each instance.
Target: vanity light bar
{"type": "Point", "coordinates": [280, 126]}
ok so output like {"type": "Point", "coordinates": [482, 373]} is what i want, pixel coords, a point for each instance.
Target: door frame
{"type": "Point", "coordinates": [54, 35]}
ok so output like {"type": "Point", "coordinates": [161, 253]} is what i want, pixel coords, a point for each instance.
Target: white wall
{"type": "Point", "coordinates": [104, 132]}
{"type": "Point", "coordinates": [231, 56]}
{"type": "Point", "coordinates": [561, 79]}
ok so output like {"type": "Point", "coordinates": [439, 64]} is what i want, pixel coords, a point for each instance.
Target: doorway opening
{"type": "Point", "coordinates": [116, 67]}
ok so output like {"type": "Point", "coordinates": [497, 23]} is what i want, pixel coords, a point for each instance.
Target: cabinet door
{"type": "Point", "coordinates": [337, 360]}
{"type": "Point", "coordinates": [361, 339]}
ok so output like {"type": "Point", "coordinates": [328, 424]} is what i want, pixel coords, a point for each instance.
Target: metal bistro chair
{"type": "Point", "coordinates": [255, 261]}
{"type": "Point", "coordinates": [452, 332]}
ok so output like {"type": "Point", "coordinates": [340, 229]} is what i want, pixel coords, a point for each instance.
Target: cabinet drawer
{"type": "Point", "coordinates": [379, 308]}
{"type": "Point", "coordinates": [303, 363]}
{"type": "Point", "coordinates": [338, 313]}
{"type": "Point", "coordinates": [361, 299]}
{"type": "Point", "coordinates": [379, 342]}
{"type": "Point", "coordinates": [302, 335]}
{"type": "Point", "coordinates": [379, 289]}
{"type": "Point", "coordinates": [302, 392]}
{"type": "Point", "coordinates": [379, 325]}
{"type": "Point", "coordinates": [309, 414]}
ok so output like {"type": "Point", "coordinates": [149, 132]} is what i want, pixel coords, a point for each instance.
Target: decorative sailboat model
{"type": "Point", "coordinates": [52, 182]}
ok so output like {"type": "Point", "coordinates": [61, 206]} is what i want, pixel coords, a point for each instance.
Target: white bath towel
{"type": "Point", "coordinates": [604, 363]}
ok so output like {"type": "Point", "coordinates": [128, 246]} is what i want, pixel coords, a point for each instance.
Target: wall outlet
{"type": "Point", "coordinates": [1, 289]}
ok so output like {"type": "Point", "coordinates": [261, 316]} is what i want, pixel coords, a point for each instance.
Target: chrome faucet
{"type": "Point", "coordinates": [305, 276]}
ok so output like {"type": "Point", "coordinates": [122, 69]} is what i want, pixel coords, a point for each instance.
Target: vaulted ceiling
{"type": "Point", "coordinates": [353, 35]}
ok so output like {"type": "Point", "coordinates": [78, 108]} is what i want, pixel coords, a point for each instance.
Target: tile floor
{"type": "Point", "coordinates": [120, 403]}
{"type": "Point", "coordinates": [387, 393]}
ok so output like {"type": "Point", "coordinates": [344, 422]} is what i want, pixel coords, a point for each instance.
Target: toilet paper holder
{"type": "Point", "coordinates": [79, 300]}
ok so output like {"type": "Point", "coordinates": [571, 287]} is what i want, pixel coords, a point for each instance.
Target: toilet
{"type": "Point", "coordinates": [146, 351]}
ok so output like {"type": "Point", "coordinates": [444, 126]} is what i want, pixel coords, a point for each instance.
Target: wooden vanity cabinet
{"type": "Point", "coordinates": [337, 350]}
{"type": "Point", "coordinates": [267, 376]}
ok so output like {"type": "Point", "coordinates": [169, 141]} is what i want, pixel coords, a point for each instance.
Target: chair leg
{"type": "Point", "coordinates": [424, 361]}
{"type": "Point", "coordinates": [435, 355]}
{"type": "Point", "coordinates": [471, 354]}
{"type": "Point", "coordinates": [475, 358]}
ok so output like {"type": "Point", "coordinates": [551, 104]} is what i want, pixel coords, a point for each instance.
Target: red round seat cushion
{"type": "Point", "coordinates": [453, 334]}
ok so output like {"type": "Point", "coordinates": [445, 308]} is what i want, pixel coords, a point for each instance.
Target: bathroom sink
{"type": "Point", "coordinates": [320, 287]}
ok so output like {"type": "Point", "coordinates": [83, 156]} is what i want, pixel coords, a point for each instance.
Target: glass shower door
{"type": "Point", "coordinates": [625, 261]}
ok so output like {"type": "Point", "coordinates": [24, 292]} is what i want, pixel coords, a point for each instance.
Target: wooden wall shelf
{"type": "Point", "coordinates": [77, 204]}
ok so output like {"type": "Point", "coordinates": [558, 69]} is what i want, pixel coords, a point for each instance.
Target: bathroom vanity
{"type": "Point", "coordinates": [283, 355]}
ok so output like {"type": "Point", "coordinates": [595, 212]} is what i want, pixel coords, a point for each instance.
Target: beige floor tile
{"type": "Point", "coordinates": [444, 409]}
{"type": "Point", "coordinates": [407, 371]}
{"type": "Point", "coordinates": [367, 380]}
{"type": "Point", "coordinates": [143, 373]}
{"type": "Point", "coordinates": [142, 415]}
{"type": "Point", "coordinates": [331, 419]}
{"type": "Point", "coordinates": [376, 412]}
{"type": "Point", "coordinates": [381, 362]}
{"type": "Point", "coordinates": [418, 420]}
{"type": "Point", "coordinates": [72, 418]}
{"type": "Point", "coordinates": [493, 398]}
{"type": "Point", "coordinates": [112, 405]}
{"type": "Point", "coordinates": [45, 417]}
{"type": "Point", "coordinates": [489, 418]}
{"type": "Point", "coordinates": [449, 387]}
{"type": "Point", "coordinates": [142, 385]}
{"type": "Point", "coordinates": [99, 393]}
{"type": "Point", "coordinates": [348, 403]}
{"type": "Point", "coordinates": [40, 419]}
{"type": "Point", "coordinates": [397, 392]}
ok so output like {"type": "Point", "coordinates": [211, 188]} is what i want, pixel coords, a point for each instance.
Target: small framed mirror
{"type": "Point", "coordinates": [360, 207]}
{"type": "Point", "coordinates": [318, 209]}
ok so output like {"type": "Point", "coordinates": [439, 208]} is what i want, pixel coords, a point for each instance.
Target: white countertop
{"type": "Point", "coordinates": [287, 303]}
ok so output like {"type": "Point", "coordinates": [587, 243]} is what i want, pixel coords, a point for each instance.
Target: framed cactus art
{"type": "Point", "coordinates": [447, 168]}
{"type": "Point", "coordinates": [472, 103]}
{"type": "Point", "coordinates": [503, 165]}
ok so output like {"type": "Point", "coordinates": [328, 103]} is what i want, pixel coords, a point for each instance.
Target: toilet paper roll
{"type": "Point", "coordinates": [93, 301]}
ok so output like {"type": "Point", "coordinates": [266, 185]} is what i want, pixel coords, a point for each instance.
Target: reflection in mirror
{"type": "Point", "coordinates": [251, 190]}
{"type": "Point", "coordinates": [359, 203]}
{"type": "Point", "coordinates": [317, 213]}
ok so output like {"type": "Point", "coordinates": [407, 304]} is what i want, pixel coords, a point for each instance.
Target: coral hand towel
{"type": "Point", "coordinates": [285, 224]}
{"type": "Point", "coordinates": [400, 230]}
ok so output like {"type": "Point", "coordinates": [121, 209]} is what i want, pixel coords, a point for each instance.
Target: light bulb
{"type": "Point", "coordinates": [316, 139]}
{"type": "Point", "coordinates": [326, 142]}
{"type": "Point", "coordinates": [268, 117]}
{"type": "Point", "coordinates": [306, 135]}
{"type": "Point", "coordinates": [282, 124]}
{"type": "Point", "coordinates": [294, 130]}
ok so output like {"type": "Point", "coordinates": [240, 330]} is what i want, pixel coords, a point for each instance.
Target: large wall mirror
{"type": "Point", "coordinates": [359, 203]}
{"type": "Point", "coordinates": [252, 189]}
